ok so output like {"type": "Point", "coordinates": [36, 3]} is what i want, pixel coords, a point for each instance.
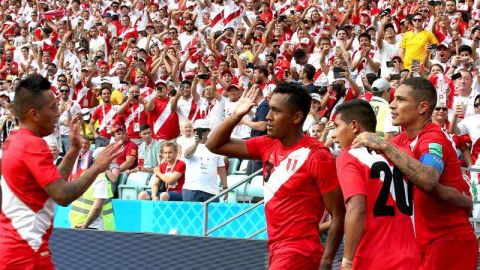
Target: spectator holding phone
{"type": "Point", "coordinates": [203, 167]}
{"type": "Point", "coordinates": [413, 47]}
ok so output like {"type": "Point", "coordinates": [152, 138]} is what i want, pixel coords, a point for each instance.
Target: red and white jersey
{"type": "Point", "coordinates": [146, 93]}
{"type": "Point", "coordinates": [295, 179]}
{"type": "Point", "coordinates": [186, 108]}
{"type": "Point", "coordinates": [232, 15]}
{"type": "Point", "coordinates": [83, 96]}
{"type": "Point", "coordinates": [189, 41]}
{"type": "Point", "coordinates": [436, 219]}
{"type": "Point", "coordinates": [388, 240]}
{"type": "Point", "coordinates": [105, 114]}
{"type": "Point", "coordinates": [363, 66]}
{"type": "Point", "coordinates": [217, 13]}
{"type": "Point", "coordinates": [471, 126]}
{"type": "Point", "coordinates": [164, 122]}
{"type": "Point", "coordinates": [283, 8]}
{"type": "Point", "coordinates": [135, 117]}
{"type": "Point", "coordinates": [445, 89]}
{"type": "Point", "coordinates": [27, 212]}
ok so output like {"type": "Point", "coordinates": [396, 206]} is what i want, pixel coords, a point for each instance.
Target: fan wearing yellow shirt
{"type": "Point", "coordinates": [414, 43]}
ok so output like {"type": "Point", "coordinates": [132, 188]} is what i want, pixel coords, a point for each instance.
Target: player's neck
{"type": "Point", "coordinates": [293, 138]}
{"type": "Point", "coordinates": [413, 130]}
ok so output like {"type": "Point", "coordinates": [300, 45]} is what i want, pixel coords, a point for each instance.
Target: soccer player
{"type": "Point", "coordinates": [443, 232]}
{"type": "Point", "coordinates": [378, 226]}
{"type": "Point", "coordinates": [299, 174]}
{"type": "Point", "coordinates": [31, 184]}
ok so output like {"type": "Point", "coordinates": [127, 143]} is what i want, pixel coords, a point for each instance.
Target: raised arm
{"type": "Point", "coordinates": [219, 140]}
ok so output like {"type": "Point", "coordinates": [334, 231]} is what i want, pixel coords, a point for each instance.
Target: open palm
{"type": "Point", "coordinates": [247, 100]}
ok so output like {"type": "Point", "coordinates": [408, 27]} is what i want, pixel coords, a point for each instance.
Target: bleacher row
{"type": "Point", "coordinates": [131, 185]}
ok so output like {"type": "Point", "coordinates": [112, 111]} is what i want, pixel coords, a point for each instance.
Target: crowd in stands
{"type": "Point", "coordinates": [160, 75]}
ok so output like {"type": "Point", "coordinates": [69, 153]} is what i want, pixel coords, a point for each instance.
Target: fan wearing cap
{"type": "Point", "coordinates": [202, 167]}
{"type": "Point", "coordinates": [133, 112]}
{"type": "Point", "coordinates": [314, 113]}
{"type": "Point", "coordinates": [161, 116]}
{"type": "Point", "coordinates": [127, 159]}
{"type": "Point", "coordinates": [299, 173]}
{"type": "Point", "coordinates": [141, 80]}
{"type": "Point", "coordinates": [442, 57]}
{"type": "Point", "coordinates": [381, 107]}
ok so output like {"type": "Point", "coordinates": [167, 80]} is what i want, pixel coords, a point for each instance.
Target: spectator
{"type": "Point", "coordinates": [68, 110]}
{"type": "Point", "coordinates": [161, 116]}
{"type": "Point", "coordinates": [127, 160]}
{"type": "Point", "coordinates": [133, 114]}
{"type": "Point", "coordinates": [202, 167]}
{"type": "Point", "coordinates": [148, 152]}
{"type": "Point", "coordinates": [383, 113]}
{"type": "Point", "coordinates": [105, 115]}
{"type": "Point", "coordinates": [84, 159]}
{"type": "Point", "coordinates": [413, 47]}
{"type": "Point", "coordinates": [94, 209]}
{"type": "Point", "coordinates": [186, 139]}
{"type": "Point", "coordinates": [171, 172]}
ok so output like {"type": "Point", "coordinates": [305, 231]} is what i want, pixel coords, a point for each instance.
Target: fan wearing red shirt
{"type": "Point", "coordinates": [443, 232]}
{"type": "Point", "coordinates": [299, 175]}
{"type": "Point", "coordinates": [133, 110]}
{"type": "Point", "coordinates": [127, 159]}
{"type": "Point", "coordinates": [378, 226]}
{"type": "Point", "coordinates": [31, 184]}
{"type": "Point", "coordinates": [162, 116]}
{"type": "Point", "coordinates": [172, 172]}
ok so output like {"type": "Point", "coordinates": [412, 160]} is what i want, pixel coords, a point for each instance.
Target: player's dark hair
{"type": "Point", "coordinates": [309, 71]}
{"type": "Point", "coordinates": [144, 127]}
{"type": "Point", "coordinates": [29, 95]}
{"type": "Point", "coordinates": [423, 90]}
{"type": "Point", "coordinates": [359, 110]}
{"type": "Point", "coordinates": [299, 99]}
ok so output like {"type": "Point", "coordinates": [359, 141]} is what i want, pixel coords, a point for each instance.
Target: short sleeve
{"type": "Point", "coordinates": [220, 161]}
{"type": "Point", "coordinates": [39, 161]}
{"type": "Point", "coordinates": [100, 190]}
{"type": "Point", "coordinates": [429, 145]}
{"type": "Point", "coordinates": [403, 42]}
{"type": "Point", "coordinates": [253, 147]}
{"type": "Point", "coordinates": [323, 170]}
{"type": "Point", "coordinates": [463, 126]}
{"type": "Point", "coordinates": [133, 150]}
{"type": "Point", "coordinates": [352, 180]}
{"type": "Point", "coordinates": [96, 114]}
{"type": "Point", "coordinates": [180, 167]}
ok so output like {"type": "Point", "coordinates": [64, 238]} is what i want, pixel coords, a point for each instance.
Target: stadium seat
{"type": "Point", "coordinates": [238, 193]}
{"type": "Point", "coordinates": [135, 183]}
{"type": "Point", "coordinates": [233, 165]}
{"type": "Point", "coordinates": [242, 169]}
{"type": "Point", "coordinates": [255, 188]}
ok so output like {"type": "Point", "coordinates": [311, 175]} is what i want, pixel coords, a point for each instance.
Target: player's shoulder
{"type": "Point", "coordinates": [318, 151]}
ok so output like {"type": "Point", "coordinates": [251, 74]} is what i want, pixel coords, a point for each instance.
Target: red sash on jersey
{"type": "Point", "coordinates": [284, 8]}
{"type": "Point", "coordinates": [216, 19]}
{"type": "Point", "coordinates": [193, 43]}
{"type": "Point", "coordinates": [233, 15]}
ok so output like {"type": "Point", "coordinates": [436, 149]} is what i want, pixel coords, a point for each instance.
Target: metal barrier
{"type": "Point", "coordinates": [206, 231]}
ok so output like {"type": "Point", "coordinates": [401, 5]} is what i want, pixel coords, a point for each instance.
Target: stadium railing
{"type": "Point", "coordinates": [248, 179]}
